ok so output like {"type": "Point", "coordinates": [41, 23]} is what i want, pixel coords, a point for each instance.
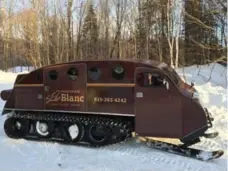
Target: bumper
{"type": "Point", "coordinates": [194, 136]}
{"type": "Point", "coordinates": [5, 94]}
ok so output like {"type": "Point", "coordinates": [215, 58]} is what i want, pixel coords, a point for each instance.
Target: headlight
{"type": "Point", "coordinates": [195, 95]}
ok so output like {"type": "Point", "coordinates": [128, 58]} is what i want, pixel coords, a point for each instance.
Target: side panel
{"type": "Point", "coordinates": [27, 92]}
{"type": "Point", "coordinates": [111, 87]}
{"type": "Point", "coordinates": [28, 97]}
{"type": "Point", "coordinates": [111, 99]}
{"type": "Point", "coordinates": [158, 109]}
{"type": "Point", "coordinates": [65, 87]}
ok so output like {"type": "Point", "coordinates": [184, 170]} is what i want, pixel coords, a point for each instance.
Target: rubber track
{"type": "Point", "coordinates": [87, 120]}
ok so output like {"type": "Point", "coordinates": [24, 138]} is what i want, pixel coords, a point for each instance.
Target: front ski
{"type": "Point", "coordinates": [211, 135]}
{"type": "Point", "coordinates": [183, 151]}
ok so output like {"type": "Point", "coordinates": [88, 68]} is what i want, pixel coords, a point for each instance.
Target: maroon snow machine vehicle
{"type": "Point", "coordinates": [103, 102]}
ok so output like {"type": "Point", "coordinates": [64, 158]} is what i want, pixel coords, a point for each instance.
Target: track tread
{"type": "Point", "coordinates": [86, 120]}
{"type": "Point", "coordinates": [125, 126]}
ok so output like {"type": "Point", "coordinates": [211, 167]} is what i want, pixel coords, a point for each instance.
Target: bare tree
{"type": "Point", "coordinates": [69, 27]}
{"type": "Point", "coordinates": [79, 28]}
{"type": "Point", "coordinates": [170, 26]}
{"type": "Point", "coordinates": [177, 24]}
{"type": "Point", "coordinates": [120, 6]}
{"type": "Point", "coordinates": [104, 28]}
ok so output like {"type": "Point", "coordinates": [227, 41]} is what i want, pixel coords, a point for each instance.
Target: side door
{"type": "Point", "coordinates": [65, 87]}
{"type": "Point", "coordinates": [157, 105]}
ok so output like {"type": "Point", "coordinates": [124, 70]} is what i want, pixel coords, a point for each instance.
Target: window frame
{"type": "Point", "coordinates": [68, 74]}
{"type": "Point", "coordinates": [51, 72]}
{"type": "Point", "coordinates": [116, 76]}
{"type": "Point", "coordinates": [163, 76]}
{"type": "Point", "coordinates": [99, 72]}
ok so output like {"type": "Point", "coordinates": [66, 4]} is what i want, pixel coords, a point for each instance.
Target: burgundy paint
{"type": "Point", "coordinates": [5, 94]}
{"type": "Point", "coordinates": [160, 113]}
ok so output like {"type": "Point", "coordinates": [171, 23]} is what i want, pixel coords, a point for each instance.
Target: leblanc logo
{"type": "Point", "coordinates": [64, 96]}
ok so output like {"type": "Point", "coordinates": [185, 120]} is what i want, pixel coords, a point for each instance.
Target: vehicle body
{"type": "Point", "coordinates": [149, 95]}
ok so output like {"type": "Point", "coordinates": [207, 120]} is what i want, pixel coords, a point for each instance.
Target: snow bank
{"type": "Point", "coordinates": [213, 94]}
{"type": "Point", "coordinates": [21, 155]}
{"type": "Point", "coordinates": [214, 74]}
{"type": "Point", "coordinates": [19, 69]}
{"type": "Point", "coordinates": [9, 77]}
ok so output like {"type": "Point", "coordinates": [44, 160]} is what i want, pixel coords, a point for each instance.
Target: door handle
{"type": "Point", "coordinates": [139, 95]}
{"type": "Point", "coordinates": [46, 88]}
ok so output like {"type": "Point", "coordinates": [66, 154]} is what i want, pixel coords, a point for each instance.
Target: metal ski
{"type": "Point", "coordinates": [211, 135]}
{"type": "Point", "coordinates": [183, 151]}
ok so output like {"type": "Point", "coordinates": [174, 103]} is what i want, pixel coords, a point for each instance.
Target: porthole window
{"type": "Point", "coordinates": [72, 74]}
{"type": "Point", "coordinates": [53, 75]}
{"type": "Point", "coordinates": [118, 73]}
{"type": "Point", "coordinates": [94, 73]}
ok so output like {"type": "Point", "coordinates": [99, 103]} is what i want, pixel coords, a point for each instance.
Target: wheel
{"type": "Point", "coordinates": [73, 132]}
{"type": "Point", "coordinates": [44, 128]}
{"type": "Point", "coordinates": [98, 135]}
{"type": "Point", "coordinates": [16, 127]}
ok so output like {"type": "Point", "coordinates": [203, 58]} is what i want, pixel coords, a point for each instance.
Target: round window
{"type": "Point", "coordinates": [118, 73]}
{"type": "Point", "coordinates": [94, 73]}
{"type": "Point", "coordinates": [72, 74]}
{"type": "Point", "coordinates": [53, 75]}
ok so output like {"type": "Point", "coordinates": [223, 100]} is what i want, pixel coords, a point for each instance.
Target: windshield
{"type": "Point", "coordinates": [173, 74]}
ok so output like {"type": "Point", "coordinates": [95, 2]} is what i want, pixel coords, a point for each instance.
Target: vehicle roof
{"type": "Point", "coordinates": [152, 63]}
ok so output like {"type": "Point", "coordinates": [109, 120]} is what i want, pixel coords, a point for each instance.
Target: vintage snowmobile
{"type": "Point", "coordinates": [98, 103]}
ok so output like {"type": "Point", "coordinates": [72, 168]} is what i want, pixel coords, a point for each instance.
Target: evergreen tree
{"type": "Point", "coordinates": [193, 31]}
{"type": "Point", "coordinates": [151, 29]}
{"type": "Point", "coordinates": [90, 34]}
{"type": "Point", "coordinates": [200, 35]}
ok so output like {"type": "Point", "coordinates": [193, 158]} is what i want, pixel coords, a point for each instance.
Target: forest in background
{"type": "Point", "coordinates": [178, 32]}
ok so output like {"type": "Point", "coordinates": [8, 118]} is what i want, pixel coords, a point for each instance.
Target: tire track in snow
{"type": "Point", "coordinates": [208, 144]}
{"type": "Point", "coordinates": [117, 157]}
{"type": "Point", "coordinates": [148, 155]}
{"type": "Point", "coordinates": [121, 152]}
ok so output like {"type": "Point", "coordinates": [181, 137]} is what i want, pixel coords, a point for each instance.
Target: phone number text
{"type": "Point", "coordinates": [110, 100]}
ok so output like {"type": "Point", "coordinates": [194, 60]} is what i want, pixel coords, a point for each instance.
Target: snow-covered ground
{"type": "Point", "coordinates": [22, 155]}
